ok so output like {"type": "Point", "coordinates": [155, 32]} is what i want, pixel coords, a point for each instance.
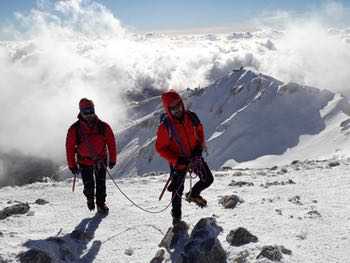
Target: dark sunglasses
{"type": "Point", "coordinates": [87, 111]}
{"type": "Point", "coordinates": [176, 108]}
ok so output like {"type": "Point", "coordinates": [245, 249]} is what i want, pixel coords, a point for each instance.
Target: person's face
{"type": "Point", "coordinates": [177, 110]}
{"type": "Point", "coordinates": [88, 113]}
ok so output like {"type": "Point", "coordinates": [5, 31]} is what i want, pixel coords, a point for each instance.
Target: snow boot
{"type": "Point", "coordinates": [198, 200]}
{"type": "Point", "coordinates": [102, 209]}
{"type": "Point", "coordinates": [91, 204]}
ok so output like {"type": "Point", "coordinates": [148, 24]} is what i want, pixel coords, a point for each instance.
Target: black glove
{"type": "Point", "coordinates": [111, 164]}
{"type": "Point", "coordinates": [74, 170]}
{"type": "Point", "coordinates": [197, 151]}
{"type": "Point", "coordinates": [182, 160]}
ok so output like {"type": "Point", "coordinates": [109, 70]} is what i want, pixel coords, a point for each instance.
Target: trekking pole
{"type": "Point", "coordinates": [74, 179]}
{"type": "Point", "coordinates": [165, 187]}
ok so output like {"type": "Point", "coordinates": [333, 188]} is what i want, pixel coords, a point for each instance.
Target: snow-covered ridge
{"type": "Point", "coordinates": [246, 115]}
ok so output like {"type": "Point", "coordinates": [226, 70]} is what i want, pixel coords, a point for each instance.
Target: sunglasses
{"type": "Point", "coordinates": [87, 111]}
{"type": "Point", "coordinates": [175, 109]}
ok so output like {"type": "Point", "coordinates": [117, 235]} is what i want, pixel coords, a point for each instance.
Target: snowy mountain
{"type": "Point", "coordinates": [246, 116]}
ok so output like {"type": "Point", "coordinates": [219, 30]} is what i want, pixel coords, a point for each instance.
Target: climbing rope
{"type": "Point", "coordinates": [138, 206]}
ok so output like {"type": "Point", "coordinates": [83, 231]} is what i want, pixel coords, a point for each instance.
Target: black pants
{"type": "Point", "coordinates": [177, 187]}
{"type": "Point", "coordinates": [87, 174]}
{"type": "Point", "coordinates": [206, 179]}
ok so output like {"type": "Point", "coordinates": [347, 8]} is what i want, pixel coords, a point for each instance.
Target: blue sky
{"type": "Point", "coordinates": [181, 14]}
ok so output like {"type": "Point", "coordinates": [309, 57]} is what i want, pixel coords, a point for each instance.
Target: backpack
{"type": "Point", "coordinates": [164, 119]}
{"type": "Point", "coordinates": [101, 130]}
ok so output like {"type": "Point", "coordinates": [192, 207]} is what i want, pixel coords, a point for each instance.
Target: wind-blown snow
{"type": "Point", "coordinates": [63, 50]}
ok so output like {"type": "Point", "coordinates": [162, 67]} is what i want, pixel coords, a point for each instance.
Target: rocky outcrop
{"type": "Point", "coordinates": [17, 209]}
{"type": "Point", "coordinates": [240, 237]}
{"type": "Point", "coordinates": [202, 246]}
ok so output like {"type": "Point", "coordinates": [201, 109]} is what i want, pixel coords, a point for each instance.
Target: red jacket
{"type": "Point", "coordinates": [85, 143]}
{"type": "Point", "coordinates": [189, 135]}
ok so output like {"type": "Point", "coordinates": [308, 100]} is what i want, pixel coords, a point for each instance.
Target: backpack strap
{"type": "Point", "coordinates": [194, 118]}
{"type": "Point", "coordinates": [171, 130]}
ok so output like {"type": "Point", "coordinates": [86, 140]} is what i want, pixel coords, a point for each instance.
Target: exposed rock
{"type": "Point", "coordinates": [240, 183]}
{"type": "Point", "coordinates": [274, 253]}
{"type": "Point", "coordinates": [278, 211]}
{"type": "Point", "coordinates": [283, 171]}
{"type": "Point", "coordinates": [34, 255]}
{"type": "Point", "coordinates": [268, 184]}
{"type": "Point", "coordinates": [159, 257]}
{"type": "Point", "coordinates": [230, 201]}
{"type": "Point", "coordinates": [270, 252]}
{"type": "Point", "coordinates": [129, 252]}
{"type": "Point", "coordinates": [295, 200]}
{"type": "Point", "coordinates": [240, 236]}
{"type": "Point", "coordinates": [273, 168]}
{"type": "Point", "coordinates": [334, 164]}
{"type": "Point", "coordinates": [238, 173]}
{"type": "Point", "coordinates": [17, 209]}
{"type": "Point", "coordinates": [242, 257]}
{"type": "Point", "coordinates": [41, 201]}
{"type": "Point", "coordinates": [174, 241]}
{"type": "Point", "coordinates": [313, 214]}
{"type": "Point", "coordinates": [31, 213]}
{"type": "Point", "coordinates": [302, 236]}
{"type": "Point", "coordinates": [295, 162]}
{"type": "Point", "coordinates": [203, 246]}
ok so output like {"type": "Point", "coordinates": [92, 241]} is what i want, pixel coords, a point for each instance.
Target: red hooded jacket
{"type": "Point", "coordinates": [84, 143]}
{"type": "Point", "coordinates": [189, 136]}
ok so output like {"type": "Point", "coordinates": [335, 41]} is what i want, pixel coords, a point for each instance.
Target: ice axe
{"type": "Point", "coordinates": [165, 187]}
{"type": "Point", "coordinates": [74, 179]}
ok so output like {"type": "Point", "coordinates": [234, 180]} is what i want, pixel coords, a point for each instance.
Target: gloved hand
{"type": "Point", "coordinates": [182, 161]}
{"type": "Point", "coordinates": [111, 164]}
{"type": "Point", "coordinates": [197, 151]}
{"type": "Point", "coordinates": [74, 170]}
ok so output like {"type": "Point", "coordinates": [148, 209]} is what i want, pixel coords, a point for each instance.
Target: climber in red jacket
{"type": "Point", "coordinates": [180, 140]}
{"type": "Point", "coordinates": [86, 148]}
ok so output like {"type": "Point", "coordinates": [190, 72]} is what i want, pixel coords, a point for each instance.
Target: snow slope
{"type": "Point", "coordinates": [246, 115]}
{"type": "Point", "coordinates": [266, 212]}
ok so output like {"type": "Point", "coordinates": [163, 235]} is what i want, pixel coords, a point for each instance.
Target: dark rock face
{"type": "Point", "coordinates": [274, 253]}
{"type": "Point", "coordinates": [240, 237]}
{"type": "Point", "coordinates": [230, 201]}
{"type": "Point", "coordinates": [268, 184]}
{"type": "Point", "coordinates": [295, 200]}
{"type": "Point", "coordinates": [34, 255]}
{"type": "Point", "coordinates": [313, 214]}
{"type": "Point", "coordinates": [203, 246]}
{"type": "Point", "coordinates": [240, 183]}
{"type": "Point", "coordinates": [159, 257]}
{"type": "Point", "coordinates": [41, 201]}
{"type": "Point", "coordinates": [334, 164]}
{"type": "Point", "coordinates": [17, 209]}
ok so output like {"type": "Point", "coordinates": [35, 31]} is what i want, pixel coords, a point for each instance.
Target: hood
{"type": "Point", "coordinates": [171, 98]}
